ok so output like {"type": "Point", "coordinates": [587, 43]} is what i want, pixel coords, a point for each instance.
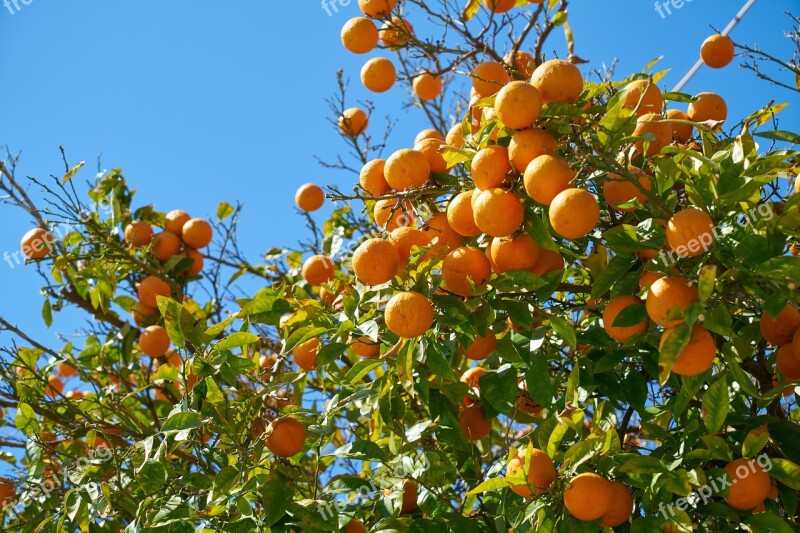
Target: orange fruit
{"type": "Point", "coordinates": [522, 62]}
{"type": "Point", "coordinates": [518, 253]}
{"type": "Point", "coordinates": [371, 178]}
{"type": "Point", "coordinates": [318, 269]}
{"type": "Point", "coordinates": [364, 347]}
{"type": "Point", "coordinates": [588, 496]}
{"type": "Point", "coordinates": [690, 232]}
{"type": "Point", "coordinates": [175, 220]}
{"type": "Point", "coordinates": [390, 216]}
{"type": "Point", "coordinates": [643, 96]}
{"type": "Point", "coordinates": [465, 265]}
{"type": "Point", "coordinates": [617, 189]}
{"type": "Point", "coordinates": [7, 491]}
{"type": "Point", "coordinates": [708, 106]}
{"type": "Point", "coordinates": [460, 215]}
{"type": "Point", "coordinates": [410, 494]}
{"type": "Point", "coordinates": [750, 484]}
{"type": "Point", "coordinates": [455, 136]}
{"type": "Point", "coordinates": [54, 386]}
{"type": "Point", "coordinates": [558, 81]}
{"type": "Point", "coordinates": [305, 353]}
{"type": "Point", "coordinates": [353, 122]}
{"type": "Point", "coordinates": [354, 526]}
{"type": "Point", "coordinates": [490, 166]}
{"type": "Point", "coordinates": [166, 245]}
{"type": "Point", "coordinates": [428, 133]}
{"type": "Point", "coordinates": [427, 86]}
{"type": "Point", "coordinates": [37, 243]}
{"type": "Point", "coordinates": [406, 168]}
{"type": "Point", "coordinates": [173, 358]}
{"type": "Point", "coordinates": [430, 149]}
{"type": "Point", "coordinates": [611, 312]}
{"type": "Point", "coordinates": [309, 197]}
{"type": "Point", "coordinates": [717, 51]}
{"type": "Point", "coordinates": [474, 423]}
{"type": "Point", "coordinates": [547, 176]}
{"type": "Point", "coordinates": [541, 472]}
{"type": "Point", "coordinates": [67, 370]}
{"type": "Point", "coordinates": [666, 294]}
{"type": "Point", "coordinates": [395, 33]}
{"type": "Point", "coordinates": [780, 329]}
{"type": "Point", "coordinates": [197, 262]}
{"type": "Point", "coordinates": [620, 506]}
{"type": "Point", "coordinates": [499, 6]}
{"type": "Point", "coordinates": [437, 227]}
{"type": "Point", "coordinates": [359, 35]}
{"type": "Point", "coordinates": [409, 314]}
{"type": "Point", "coordinates": [527, 145]}
{"type": "Point", "coordinates": [375, 261]}
{"type": "Point", "coordinates": [405, 238]}
{"type": "Point", "coordinates": [154, 341]}
{"type": "Point", "coordinates": [376, 8]}
{"type": "Point", "coordinates": [197, 233]}
{"type": "Point", "coordinates": [378, 74]}
{"type": "Point", "coordinates": [680, 132]}
{"type": "Point", "coordinates": [548, 261]}
{"type": "Point", "coordinates": [574, 213]}
{"type": "Point", "coordinates": [472, 378]}
{"type": "Point", "coordinates": [652, 124]}
{"type": "Point", "coordinates": [498, 213]}
{"type": "Point", "coordinates": [482, 347]}
{"type": "Point", "coordinates": [138, 233]}
{"type": "Point", "coordinates": [787, 362]}
{"type": "Point", "coordinates": [647, 278]}
{"type": "Point", "coordinates": [488, 78]}
{"type": "Point", "coordinates": [141, 312]}
{"type": "Point", "coordinates": [285, 437]}
{"type": "Point", "coordinates": [518, 104]}
{"type": "Point", "coordinates": [796, 344]}
{"type": "Point", "coordinates": [697, 356]}
{"type": "Point", "coordinates": [151, 287]}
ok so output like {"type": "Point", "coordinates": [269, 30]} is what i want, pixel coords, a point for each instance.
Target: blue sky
{"type": "Point", "coordinates": [206, 101]}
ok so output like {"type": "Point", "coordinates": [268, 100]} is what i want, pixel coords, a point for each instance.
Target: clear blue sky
{"type": "Point", "coordinates": [207, 101]}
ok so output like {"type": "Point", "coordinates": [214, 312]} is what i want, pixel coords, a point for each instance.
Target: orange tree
{"type": "Point", "coordinates": [570, 304]}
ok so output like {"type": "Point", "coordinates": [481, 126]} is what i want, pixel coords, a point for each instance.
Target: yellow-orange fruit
{"type": "Point", "coordinates": [463, 266]}
{"type": "Point", "coordinates": [652, 124]}
{"type": "Point", "coordinates": [54, 386]}
{"type": "Point", "coordinates": [518, 105]}
{"type": "Point", "coordinates": [175, 220]}
{"type": "Point", "coordinates": [717, 51]}
{"type": "Point", "coordinates": [482, 347]}
{"type": "Point", "coordinates": [371, 178]}
{"type": "Point", "coordinates": [427, 86]}
{"type": "Point", "coordinates": [474, 423]}
{"type": "Point", "coordinates": [488, 78]}
{"type": "Point", "coordinates": [197, 233]}
{"type": "Point", "coordinates": [166, 245]}
{"type": "Point", "coordinates": [697, 356]}
{"type": "Point", "coordinates": [612, 311]}
{"type": "Point", "coordinates": [406, 168]}
{"type": "Point", "coordinates": [389, 216]}
{"type": "Point", "coordinates": [522, 62]}
{"type": "Point", "coordinates": [430, 149]}
{"type": "Point", "coordinates": [574, 213]}
{"type": "Point", "coordinates": [37, 243]}
{"type": "Point", "coordinates": [309, 197]}
{"type": "Point", "coordinates": [558, 81]}
{"type": "Point", "coordinates": [472, 378]}
{"type": "Point", "coordinates": [364, 347]}
{"type": "Point", "coordinates": [666, 294]}
{"type": "Point", "coordinates": [527, 145]}
{"type": "Point", "coordinates": [141, 313]}
{"type": "Point", "coordinates": [690, 232]}
{"type": "Point", "coordinates": [620, 506]}
{"type": "Point", "coordinates": [428, 133]}
{"type": "Point", "coordinates": [378, 74]}
{"type": "Point", "coordinates": [541, 472]}
{"type": "Point", "coordinates": [750, 484]}
{"type": "Point", "coordinates": [375, 261]}
{"type": "Point", "coordinates": [410, 494]}
{"type": "Point", "coordinates": [647, 278]}
{"type": "Point", "coordinates": [197, 262]}
{"type": "Point", "coordinates": [519, 253]}
{"type": "Point", "coordinates": [285, 437]}
{"type": "Point", "coordinates": [796, 344]}
{"type": "Point", "coordinates": [708, 106]}
{"type": "Point", "coordinates": [67, 370]}
{"type": "Point", "coordinates": [680, 132]}
{"type": "Point", "coordinates": [437, 227]}
{"type": "Point", "coordinates": [318, 269]}
{"type": "Point", "coordinates": [460, 215]}
{"type": "Point", "coordinates": [173, 358]}
{"type": "Point", "coordinates": [455, 136]}
{"type": "Point", "coordinates": [547, 176]}
{"type": "Point", "coordinates": [7, 491]}
{"type": "Point", "coordinates": [154, 341]}
{"type": "Point", "coordinates": [780, 329]}
{"type": "Point", "coordinates": [647, 96]}
{"type": "Point", "coordinates": [138, 233]}
{"type": "Point", "coordinates": [498, 213]}
{"type": "Point", "coordinates": [490, 166]}
{"type": "Point", "coordinates": [787, 362]}
{"type": "Point", "coordinates": [353, 122]}
{"type": "Point", "coordinates": [409, 314]}
{"type": "Point", "coordinates": [305, 354]}
{"type": "Point", "coordinates": [405, 238]}
{"type": "Point", "coordinates": [395, 33]}
{"type": "Point", "coordinates": [354, 526]}
{"type": "Point", "coordinates": [548, 261]}
{"type": "Point", "coordinates": [359, 35]}
{"type": "Point", "coordinates": [151, 287]}
{"type": "Point", "coordinates": [499, 6]}
{"type": "Point", "coordinates": [376, 8]}
{"type": "Point", "coordinates": [588, 496]}
{"type": "Point", "coordinates": [619, 190]}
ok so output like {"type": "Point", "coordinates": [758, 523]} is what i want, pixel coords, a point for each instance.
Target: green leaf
{"type": "Point", "coordinates": [328, 353]}
{"type": "Point", "coordinates": [784, 267]}
{"type": "Point", "coordinates": [276, 495]}
{"type": "Point", "coordinates": [755, 441]}
{"type": "Point", "coordinates": [152, 476]}
{"type": "Point", "coordinates": [236, 340]}
{"type": "Point", "coordinates": [171, 311]}
{"type": "Point", "coordinates": [182, 421]}
{"type": "Point", "coordinates": [716, 405]}
{"type": "Point", "coordinates": [768, 523]}
{"type": "Point", "coordinates": [26, 420]}
{"type": "Point", "coordinates": [500, 388]}
{"type": "Point", "coordinates": [630, 316]}
{"type": "Point", "coordinates": [786, 136]}
{"type": "Point", "coordinates": [786, 472]}
{"type": "Point", "coordinates": [363, 450]}
{"type": "Point", "coordinates": [564, 330]}
{"type": "Point", "coordinates": [224, 210]}
{"type": "Point", "coordinates": [705, 285]}
{"type": "Point", "coordinates": [677, 340]}
{"type": "Point", "coordinates": [495, 483]}
{"type": "Point", "coordinates": [47, 313]}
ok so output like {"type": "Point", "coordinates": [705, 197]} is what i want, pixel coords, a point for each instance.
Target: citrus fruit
{"type": "Point", "coordinates": [547, 176]}
{"type": "Point", "coordinates": [574, 213]}
{"type": "Point", "coordinates": [375, 261]}
{"type": "Point", "coordinates": [518, 105]}
{"type": "Point", "coordinates": [697, 356]}
{"type": "Point", "coordinates": [465, 267]}
{"type": "Point", "coordinates": [611, 312]}
{"type": "Point", "coordinates": [558, 81]}
{"type": "Point", "coordinates": [309, 197]}
{"type": "Point", "coordinates": [717, 51]}
{"type": "Point", "coordinates": [667, 294]}
{"type": "Point", "coordinates": [318, 269]}
{"type": "Point", "coordinates": [285, 437]}
{"type": "Point", "coordinates": [378, 74]}
{"type": "Point", "coordinates": [498, 213]}
{"type": "Point", "coordinates": [409, 314]}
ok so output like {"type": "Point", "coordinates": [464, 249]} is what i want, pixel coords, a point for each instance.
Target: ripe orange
{"type": "Point", "coordinates": [690, 232]}
{"type": "Point", "coordinates": [558, 81]}
{"type": "Point", "coordinates": [482, 347]}
{"type": "Point", "coordinates": [548, 261]}
{"type": "Point", "coordinates": [430, 149]}
{"type": "Point", "coordinates": [376, 8]}
{"type": "Point", "coordinates": [359, 35]}
{"type": "Point", "coordinates": [490, 166]}
{"type": "Point", "coordinates": [353, 122]}
{"type": "Point", "coordinates": [54, 386]}
{"type": "Point", "coordinates": [499, 6]}
{"type": "Point", "coordinates": [410, 494]}
{"type": "Point", "coordinates": [498, 213]}
{"type": "Point", "coordinates": [437, 227]}
{"type": "Point", "coordinates": [371, 178]}
{"type": "Point", "coordinates": [166, 245]}
{"type": "Point", "coordinates": [618, 189]}
{"type": "Point", "coordinates": [197, 233]}
{"type": "Point", "coordinates": [395, 33]}
{"type": "Point", "coordinates": [390, 216]}
{"type": "Point", "coordinates": [175, 220]}
{"type": "Point", "coordinates": [309, 197]}
{"type": "Point", "coordinates": [472, 378]}
{"type": "Point", "coordinates": [574, 213]}
{"type": "Point", "coordinates": [643, 96]}
{"type": "Point", "coordinates": [354, 526]}
{"type": "Point", "coordinates": [405, 238]}
{"type": "Point", "coordinates": [406, 168]}
{"type": "Point", "coordinates": [796, 344]}
{"type": "Point", "coordinates": [455, 136]}
{"type": "Point", "coordinates": [141, 313]}
{"type": "Point", "coordinates": [149, 288]}
{"type": "Point", "coordinates": [318, 269]}
{"type": "Point", "coordinates": [522, 62]}
{"type": "Point", "coordinates": [647, 278]}
{"type": "Point", "coordinates": [154, 341]}
{"type": "Point", "coordinates": [666, 294]}
{"type": "Point", "coordinates": [488, 78]}
{"type": "Point", "coordinates": [750, 484]}
{"type": "Point", "coordinates": [375, 261]}
{"type": "Point", "coordinates": [427, 86]}
{"type": "Point", "coordinates": [527, 145]}
{"type": "Point", "coordinates": [173, 358]}
{"type": "Point", "coordinates": [708, 106]}
{"type": "Point", "coordinates": [465, 265]}
{"type": "Point", "coordinates": [409, 314]}
{"type": "Point", "coordinates": [7, 491]}
{"type": "Point", "coordinates": [305, 353]}
{"type": "Point", "coordinates": [519, 253]}
{"type": "Point", "coordinates": [285, 437]}
{"type": "Point", "coordinates": [697, 356]}
{"type": "Point", "coordinates": [364, 347]}
{"type": "Point", "coordinates": [780, 329]}
{"type": "Point", "coordinates": [138, 233]}
{"type": "Point", "coordinates": [474, 423]}
{"type": "Point", "coordinates": [611, 312]}
{"type": "Point", "coordinates": [620, 506]}
{"type": "Point", "coordinates": [37, 243]}
{"type": "Point", "coordinates": [197, 262]}
{"type": "Point", "coordinates": [541, 472]}
{"type": "Point", "coordinates": [547, 176]}
{"type": "Point", "coordinates": [653, 124]}
{"type": "Point", "coordinates": [787, 362]}
{"type": "Point", "coordinates": [428, 133]}
{"type": "Point", "coordinates": [518, 105]}
{"type": "Point", "coordinates": [378, 74]}
{"type": "Point", "coordinates": [717, 51]}
{"type": "Point", "coordinates": [67, 370]}
{"type": "Point", "coordinates": [588, 496]}
{"type": "Point", "coordinates": [460, 215]}
{"type": "Point", "coordinates": [680, 132]}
